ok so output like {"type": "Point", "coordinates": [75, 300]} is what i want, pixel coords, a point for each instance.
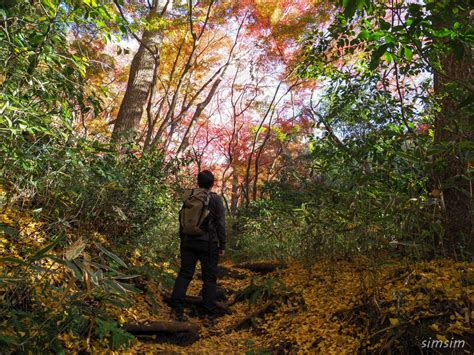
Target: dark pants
{"type": "Point", "coordinates": [207, 254]}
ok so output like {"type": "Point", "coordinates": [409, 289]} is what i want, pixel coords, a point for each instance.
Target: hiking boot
{"type": "Point", "coordinates": [178, 315]}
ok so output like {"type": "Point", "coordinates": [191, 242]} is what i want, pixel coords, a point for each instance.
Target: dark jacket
{"type": "Point", "coordinates": [216, 226]}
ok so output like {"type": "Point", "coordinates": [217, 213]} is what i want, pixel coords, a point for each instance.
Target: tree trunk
{"type": "Point", "coordinates": [451, 129]}
{"type": "Point", "coordinates": [140, 82]}
{"type": "Point", "coordinates": [235, 192]}
{"type": "Point", "coordinates": [199, 109]}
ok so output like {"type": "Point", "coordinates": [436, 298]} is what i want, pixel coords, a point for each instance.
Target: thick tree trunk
{"type": "Point", "coordinates": [451, 129]}
{"type": "Point", "coordinates": [140, 81]}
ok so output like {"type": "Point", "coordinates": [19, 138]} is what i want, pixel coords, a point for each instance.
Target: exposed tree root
{"type": "Point", "coordinates": [247, 321]}
{"type": "Point", "coordinates": [179, 333]}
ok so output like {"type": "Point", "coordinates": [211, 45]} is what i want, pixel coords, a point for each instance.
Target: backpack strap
{"type": "Point", "coordinates": [205, 205]}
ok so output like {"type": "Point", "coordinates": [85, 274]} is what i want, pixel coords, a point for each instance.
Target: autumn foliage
{"type": "Point", "coordinates": [341, 141]}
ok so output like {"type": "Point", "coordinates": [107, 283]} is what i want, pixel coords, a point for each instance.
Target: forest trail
{"type": "Point", "coordinates": [330, 305]}
{"type": "Point", "coordinates": [230, 332]}
{"type": "Point", "coordinates": [335, 307]}
{"type": "Point", "coordinates": [338, 134]}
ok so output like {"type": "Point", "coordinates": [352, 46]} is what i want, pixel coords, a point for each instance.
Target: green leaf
{"type": "Point", "coordinates": [43, 251]}
{"type": "Point", "coordinates": [116, 286]}
{"type": "Point", "coordinates": [384, 24]}
{"type": "Point", "coordinates": [8, 230]}
{"type": "Point", "coordinates": [407, 156]}
{"type": "Point", "coordinates": [364, 34]}
{"type": "Point", "coordinates": [466, 145]}
{"type": "Point", "coordinates": [49, 4]}
{"type": "Point", "coordinates": [116, 302]}
{"type": "Point", "coordinates": [75, 269]}
{"type": "Point", "coordinates": [467, 101]}
{"type": "Point", "coordinates": [56, 259]}
{"type": "Point", "coordinates": [125, 277]}
{"type": "Point", "coordinates": [57, 347]}
{"type": "Point", "coordinates": [436, 149]}
{"type": "Point", "coordinates": [458, 49]}
{"type": "Point", "coordinates": [377, 54]}
{"type": "Point", "coordinates": [388, 57]}
{"type": "Point", "coordinates": [253, 297]}
{"type": "Point", "coordinates": [8, 340]}
{"type": "Point", "coordinates": [118, 337]}
{"type": "Point", "coordinates": [350, 7]}
{"type": "Point", "coordinates": [9, 259]}
{"type": "Point", "coordinates": [129, 287]}
{"type": "Point", "coordinates": [10, 280]}
{"type": "Point", "coordinates": [111, 255]}
{"type": "Point", "coordinates": [75, 249]}
{"type": "Point", "coordinates": [408, 53]}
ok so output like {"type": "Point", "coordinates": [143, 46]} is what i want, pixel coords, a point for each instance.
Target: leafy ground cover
{"type": "Point", "coordinates": [338, 305]}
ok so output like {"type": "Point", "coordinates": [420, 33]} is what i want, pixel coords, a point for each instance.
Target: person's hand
{"type": "Point", "coordinates": [221, 252]}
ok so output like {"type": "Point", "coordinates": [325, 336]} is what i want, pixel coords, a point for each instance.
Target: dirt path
{"type": "Point", "coordinates": [342, 307]}
{"type": "Point", "coordinates": [211, 336]}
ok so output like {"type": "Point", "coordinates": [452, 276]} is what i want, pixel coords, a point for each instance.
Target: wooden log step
{"type": "Point", "coordinates": [261, 267]}
{"type": "Point", "coordinates": [225, 272]}
{"type": "Point", "coordinates": [158, 327]}
{"type": "Point", "coordinates": [171, 332]}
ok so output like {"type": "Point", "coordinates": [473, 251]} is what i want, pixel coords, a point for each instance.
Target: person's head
{"type": "Point", "coordinates": [205, 179]}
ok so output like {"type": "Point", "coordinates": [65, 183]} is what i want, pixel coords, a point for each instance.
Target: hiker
{"type": "Point", "coordinates": [203, 237]}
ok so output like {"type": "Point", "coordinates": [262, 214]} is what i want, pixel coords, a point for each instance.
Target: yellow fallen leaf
{"type": "Point", "coordinates": [394, 321]}
{"type": "Point", "coordinates": [441, 337]}
{"type": "Point", "coordinates": [434, 327]}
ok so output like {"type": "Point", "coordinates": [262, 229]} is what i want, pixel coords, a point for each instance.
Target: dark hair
{"type": "Point", "coordinates": [205, 179]}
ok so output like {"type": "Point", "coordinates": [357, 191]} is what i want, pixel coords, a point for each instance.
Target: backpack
{"type": "Point", "coordinates": [194, 212]}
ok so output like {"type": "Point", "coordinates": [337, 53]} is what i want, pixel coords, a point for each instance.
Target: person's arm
{"type": "Point", "coordinates": [220, 222]}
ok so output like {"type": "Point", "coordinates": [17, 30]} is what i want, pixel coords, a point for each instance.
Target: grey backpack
{"type": "Point", "coordinates": [194, 211]}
